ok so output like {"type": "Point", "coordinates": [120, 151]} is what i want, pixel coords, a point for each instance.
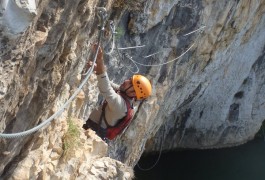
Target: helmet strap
{"type": "Point", "coordinates": [127, 89]}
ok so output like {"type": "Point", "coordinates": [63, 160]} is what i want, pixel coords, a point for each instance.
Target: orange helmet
{"type": "Point", "coordinates": [142, 87]}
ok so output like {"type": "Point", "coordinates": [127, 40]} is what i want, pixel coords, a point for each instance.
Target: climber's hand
{"type": "Point", "coordinates": [100, 67]}
{"type": "Point", "coordinates": [100, 52]}
{"type": "Point", "coordinates": [89, 64]}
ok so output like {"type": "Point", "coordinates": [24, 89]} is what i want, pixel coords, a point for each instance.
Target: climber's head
{"type": "Point", "coordinates": [142, 87]}
{"type": "Point", "coordinates": [138, 87]}
{"type": "Point", "coordinates": [127, 88]}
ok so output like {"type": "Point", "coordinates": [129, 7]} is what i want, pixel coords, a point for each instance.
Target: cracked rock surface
{"type": "Point", "coordinates": [208, 61]}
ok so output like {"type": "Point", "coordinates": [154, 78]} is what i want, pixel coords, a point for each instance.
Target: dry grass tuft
{"type": "Point", "coordinates": [71, 138]}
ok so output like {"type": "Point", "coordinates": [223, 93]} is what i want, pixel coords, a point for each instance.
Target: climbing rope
{"type": "Point", "coordinates": [152, 54]}
{"type": "Point", "coordinates": [202, 27]}
{"type": "Point", "coordinates": [132, 47]}
{"type": "Point", "coordinates": [130, 58]}
{"type": "Point", "coordinates": [114, 46]}
{"type": "Point", "coordinates": [120, 58]}
{"type": "Point", "coordinates": [159, 156]}
{"type": "Point", "coordinates": [102, 16]}
{"type": "Point", "coordinates": [113, 32]}
{"type": "Point", "coordinates": [194, 31]}
{"type": "Point", "coordinates": [135, 63]}
{"type": "Point", "coordinates": [161, 64]}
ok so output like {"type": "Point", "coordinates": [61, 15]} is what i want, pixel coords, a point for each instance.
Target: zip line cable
{"type": "Point", "coordinates": [62, 108]}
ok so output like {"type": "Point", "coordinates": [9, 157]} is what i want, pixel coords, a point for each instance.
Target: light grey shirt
{"type": "Point", "coordinates": [116, 107]}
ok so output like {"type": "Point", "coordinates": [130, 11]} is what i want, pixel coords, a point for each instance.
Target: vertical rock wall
{"type": "Point", "coordinates": [207, 74]}
{"type": "Point", "coordinates": [213, 95]}
{"type": "Point", "coordinates": [44, 47]}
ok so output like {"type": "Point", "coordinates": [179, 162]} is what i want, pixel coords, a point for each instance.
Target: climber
{"type": "Point", "coordinates": [111, 118]}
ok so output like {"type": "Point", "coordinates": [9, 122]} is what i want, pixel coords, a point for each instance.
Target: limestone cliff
{"type": "Point", "coordinates": [212, 96]}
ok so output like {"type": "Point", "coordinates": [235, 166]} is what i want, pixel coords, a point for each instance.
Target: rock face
{"type": "Point", "coordinates": [206, 64]}
{"type": "Point", "coordinates": [42, 57]}
{"type": "Point", "coordinates": [215, 96]}
{"type": "Point", "coordinates": [44, 157]}
{"type": "Point", "coordinates": [211, 97]}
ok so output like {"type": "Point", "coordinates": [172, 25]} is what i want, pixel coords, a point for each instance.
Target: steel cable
{"type": "Point", "coordinates": [62, 108]}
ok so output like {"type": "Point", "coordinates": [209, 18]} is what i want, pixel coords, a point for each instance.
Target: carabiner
{"type": "Point", "coordinates": [102, 16]}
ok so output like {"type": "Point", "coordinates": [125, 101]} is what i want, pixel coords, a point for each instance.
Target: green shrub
{"type": "Point", "coordinates": [119, 33]}
{"type": "Point", "coordinates": [71, 138]}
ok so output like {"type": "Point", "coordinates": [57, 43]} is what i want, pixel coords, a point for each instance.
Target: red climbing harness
{"type": "Point", "coordinates": [113, 131]}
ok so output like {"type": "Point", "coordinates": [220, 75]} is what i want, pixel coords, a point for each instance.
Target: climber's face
{"type": "Point", "coordinates": [127, 87]}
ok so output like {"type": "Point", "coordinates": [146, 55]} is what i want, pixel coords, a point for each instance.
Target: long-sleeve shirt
{"type": "Point", "coordinates": [116, 108]}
